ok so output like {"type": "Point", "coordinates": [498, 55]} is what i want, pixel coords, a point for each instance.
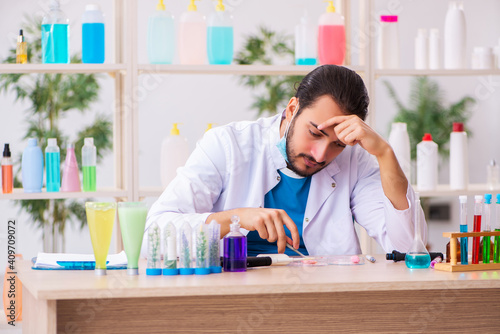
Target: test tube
{"type": "Point", "coordinates": [154, 263]}
{"type": "Point", "coordinates": [214, 244]}
{"type": "Point", "coordinates": [185, 256]}
{"type": "Point", "coordinates": [463, 228]}
{"type": "Point", "coordinates": [202, 250]}
{"type": "Point", "coordinates": [487, 238]}
{"type": "Point", "coordinates": [496, 247]}
{"type": "Point", "coordinates": [170, 250]}
{"type": "Point", "coordinates": [478, 199]}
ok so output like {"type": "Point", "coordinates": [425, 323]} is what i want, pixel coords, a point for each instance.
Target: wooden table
{"type": "Point", "coordinates": [381, 297]}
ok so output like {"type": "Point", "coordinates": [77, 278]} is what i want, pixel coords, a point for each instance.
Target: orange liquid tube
{"type": "Point", "coordinates": [7, 179]}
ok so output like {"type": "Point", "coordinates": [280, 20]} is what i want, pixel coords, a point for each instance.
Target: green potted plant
{"type": "Point", "coordinates": [52, 97]}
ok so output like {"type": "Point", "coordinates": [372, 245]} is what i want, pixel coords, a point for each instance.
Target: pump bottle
{"type": "Point", "coordinates": [21, 49]}
{"type": "Point", "coordinates": [174, 153]}
{"type": "Point", "coordinates": [192, 37]}
{"type": "Point", "coordinates": [7, 177]}
{"type": "Point", "coordinates": [55, 35]}
{"type": "Point", "coordinates": [161, 36]}
{"type": "Point", "coordinates": [331, 37]}
{"type": "Point", "coordinates": [220, 37]}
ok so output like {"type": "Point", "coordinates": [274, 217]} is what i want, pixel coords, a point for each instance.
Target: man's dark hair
{"type": "Point", "coordinates": [344, 86]}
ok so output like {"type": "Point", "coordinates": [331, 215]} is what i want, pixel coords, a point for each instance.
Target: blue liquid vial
{"type": "Point", "coordinates": [463, 246]}
{"type": "Point", "coordinates": [52, 166]}
{"type": "Point", "coordinates": [55, 43]}
{"type": "Point", "coordinates": [305, 61]}
{"type": "Point", "coordinates": [93, 43]}
{"type": "Point", "coordinates": [235, 248]}
{"type": "Point", "coordinates": [220, 46]}
{"type": "Point", "coordinates": [418, 260]}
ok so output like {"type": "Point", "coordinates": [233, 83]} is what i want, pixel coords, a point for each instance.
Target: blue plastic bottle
{"type": "Point", "coordinates": [161, 36]}
{"type": "Point", "coordinates": [32, 167]}
{"type": "Point", "coordinates": [55, 36]}
{"type": "Point", "coordinates": [220, 37]}
{"type": "Point", "coordinates": [93, 45]}
{"type": "Point", "coordinates": [52, 166]}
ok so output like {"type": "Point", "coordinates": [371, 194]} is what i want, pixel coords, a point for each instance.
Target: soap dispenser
{"type": "Point", "coordinates": [331, 37]}
{"type": "Point", "coordinates": [174, 153]}
{"type": "Point", "coordinates": [161, 36]}
{"type": "Point", "coordinates": [220, 37]}
{"type": "Point", "coordinates": [192, 37]}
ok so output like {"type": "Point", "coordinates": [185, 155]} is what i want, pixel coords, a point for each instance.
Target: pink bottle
{"type": "Point", "coordinates": [331, 37]}
{"type": "Point", "coordinates": [71, 175]}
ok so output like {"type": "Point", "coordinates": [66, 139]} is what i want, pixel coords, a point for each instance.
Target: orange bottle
{"type": "Point", "coordinates": [7, 178]}
{"type": "Point", "coordinates": [12, 291]}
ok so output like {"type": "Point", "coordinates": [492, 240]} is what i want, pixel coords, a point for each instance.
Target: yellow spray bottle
{"type": "Point", "coordinates": [192, 37]}
{"type": "Point", "coordinates": [174, 153]}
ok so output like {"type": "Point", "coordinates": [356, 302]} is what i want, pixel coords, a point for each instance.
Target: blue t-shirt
{"type": "Point", "coordinates": [290, 194]}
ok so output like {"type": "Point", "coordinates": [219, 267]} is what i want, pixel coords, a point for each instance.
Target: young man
{"type": "Point", "coordinates": [301, 177]}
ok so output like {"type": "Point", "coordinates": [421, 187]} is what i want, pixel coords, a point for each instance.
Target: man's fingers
{"type": "Point", "coordinates": [293, 230]}
{"type": "Point", "coordinates": [334, 121]}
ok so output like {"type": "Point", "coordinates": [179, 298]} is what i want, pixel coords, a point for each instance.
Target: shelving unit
{"type": "Point", "coordinates": [61, 68]}
{"type": "Point", "coordinates": [19, 194]}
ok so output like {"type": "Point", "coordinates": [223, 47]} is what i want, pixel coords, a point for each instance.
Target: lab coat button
{"type": "Point", "coordinates": [278, 178]}
{"type": "Point", "coordinates": [307, 220]}
{"type": "Point", "coordinates": [334, 185]}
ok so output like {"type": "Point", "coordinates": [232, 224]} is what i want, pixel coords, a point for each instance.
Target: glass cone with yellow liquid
{"type": "Point", "coordinates": [100, 218]}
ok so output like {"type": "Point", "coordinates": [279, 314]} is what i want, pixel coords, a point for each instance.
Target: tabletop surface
{"type": "Point", "coordinates": [380, 276]}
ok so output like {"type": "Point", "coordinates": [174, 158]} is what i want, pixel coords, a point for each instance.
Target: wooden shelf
{"type": "Point", "coordinates": [19, 194]}
{"type": "Point", "coordinates": [60, 68]}
{"type": "Point", "coordinates": [232, 69]}
{"type": "Point", "coordinates": [443, 190]}
{"type": "Point", "coordinates": [413, 72]}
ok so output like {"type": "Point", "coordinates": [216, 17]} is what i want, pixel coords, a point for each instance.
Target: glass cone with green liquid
{"type": "Point", "coordinates": [417, 256]}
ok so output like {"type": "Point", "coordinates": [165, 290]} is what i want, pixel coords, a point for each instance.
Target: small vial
{"type": "Point", "coordinates": [235, 248]}
{"type": "Point", "coordinates": [154, 263]}
{"type": "Point", "coordinates": [493, 175]}
{"type": "Point", "coordinates": [464, 251]}
{"type": "Point", "coordinates": [170, 250]}
{"type": "Point", "coordinates": [202, 250]}
{"type": "Point", "coordinates": [214, 242]}
{"type": "Point", "coordinates": [477, 228]}
{"type": "Point", "coordinates": [486, 219]}
{"type": "Point", "coordinates": [185, 257]}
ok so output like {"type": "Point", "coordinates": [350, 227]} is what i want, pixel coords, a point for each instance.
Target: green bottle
{"type": "Point", "coordinates": [89, 157]}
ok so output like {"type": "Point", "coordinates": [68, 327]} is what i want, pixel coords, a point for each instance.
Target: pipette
{"type": "Point", "coordinates": [496, 248]}
{"type": "Point", "coordinates": [477, 228]}
{"type": "Point", "coordinates": [463, 228]}
{"type": "Point", "coordinates": [487, 238]}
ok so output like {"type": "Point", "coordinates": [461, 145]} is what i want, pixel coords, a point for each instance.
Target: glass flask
{"type": "Point", "coordinates": [417, 256]}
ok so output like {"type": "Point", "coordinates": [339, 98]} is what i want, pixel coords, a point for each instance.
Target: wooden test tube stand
{"type": "Point", "coordinates": [453, 266]}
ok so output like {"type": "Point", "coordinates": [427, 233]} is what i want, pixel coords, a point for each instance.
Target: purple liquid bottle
{"type": "Point", "coordinates": [235, 248]}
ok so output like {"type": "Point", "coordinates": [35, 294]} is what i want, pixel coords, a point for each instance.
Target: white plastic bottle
{"type": "Point", "coordinates": [454, 37]}
{"type": "Point", "coordinates": [427, 164]}
{"type": "Point", "coordinates": [434, 50]}
{"type": "Point", "coordinates": [459, 162]}
{"type": "Point", "coordinates": [174, 153]}
{"type": "Point", "coordinates": [421, 54]}
{"type": "Point", "coordinates": [306, 48]}
{"type": "Point", "coordinates": [388, 43]}
{"type": "Point", "coordinates": [192, 37]}
{"type": "Point", "coordinates": [331, 37]}
{"type": "Point", "coordinates": [161, 36]}
{"type": "Point", "coordinates": [400, 142]}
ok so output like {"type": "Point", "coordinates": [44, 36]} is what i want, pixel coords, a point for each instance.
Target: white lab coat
{"type": "Point", "coordinates": [234, 166]}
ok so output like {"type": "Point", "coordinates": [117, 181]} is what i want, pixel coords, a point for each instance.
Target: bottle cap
{"type": "Point", "coordinates": [220, 6]}
{"type": "Point", "coordinates": [175, 130]}
{"type": "Point", "coordinates": [399, 126]}
{"type": "Point", "coordinates": [458, 127]}
{"type": "Point", "coordinates": [209, 126]}
{"type": "Point", "coordinates": [54, 4]}
{"type": "Point", "coordinates": [478, 198]}
{"type": "Point", "coordinates": [462, 199]}
{"type": "Point", "coordinates": [192, 6]}
{"type": "Point", "coordinates": [389, 18]}
{"type": "Point", "coordinates": [52, 142]}
{"type": "Point", "coordinates": [32, 142]}
{"type": "Point", "coordinates": [88, 141]}
{"type": "Point", "coordinates": [6, 151]}
{"type": "Point", "coordinates": [427, 137]}
{"type": "Point", "coordinates": [160, 5]}
{"type": "Point", "coordinates": [91, 7]}
{"type": "Point", "coordinates": [422, 32]}
{"type": "Point", "coordinates": [330, 8]}
{"type": "Point", "coordinates": [487, 199]}
{"type": "Point", "coordinates": [20, 38]}
{"type": "Point", "coordinates": [434, 32]}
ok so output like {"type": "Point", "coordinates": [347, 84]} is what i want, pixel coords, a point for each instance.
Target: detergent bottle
{"type": "Point", "coordinates": [174, 153]}
{"type": "Point", "coordinates": [192, 37]}
{"type": "Point", "coordinates": [220, 37]}
{"type": "Point", "coordinates": [331, 37]}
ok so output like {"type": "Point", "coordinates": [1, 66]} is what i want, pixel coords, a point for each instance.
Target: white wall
{"type": "Point", "coordinates": [195, 100]}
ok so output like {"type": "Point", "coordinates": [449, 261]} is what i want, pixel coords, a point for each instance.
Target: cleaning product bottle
{"type": "Point", "coordinates": [220, 37]}
{"type": "Point", "coordinates": [331, 37]}
{"type": "Point", "coordinates": [174, 153]}
{"type": "Point", "coordinates": [306, 48]}
{"type": "Point", "coordinates": [12, 290]}
{"type": "Point", "coordinates": [400, 142]}
{"type": "Point", "coordinates": [434, 50]}
{"type": "Point", "coordinates": [459, 161]}
{"type": "Point", "coordinates": [454, 37]}
{"type": "Point", "coordinates": [388, 42]}
{"type": "Point", "coordinates": [192, 37]}
{"type": "Point", "coordinates": [161, 36]}
{"type": "Point", "coordinates": [55, 35]}
{"type": "Point", "coordinates": [421, 50]}
{"type": "Point", "coordinates": [89, 161]}
{"type": "Point", "coordinates": [7, 176]}
{"type": "Point", "coordinates": [70, 176]}
{"type": "Point", "coordinates": [32, 167]}
{"type": "Point", "coordinates": [93, 44]}
{"type": "Point", "coordinates": [52, 166]}
{"type": "Point", "coordinates": [427, 163]}
{"type": "Point", "coordinates": [21, 49]}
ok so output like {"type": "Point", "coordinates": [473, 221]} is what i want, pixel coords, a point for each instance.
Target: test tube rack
{"type": "Point", "coordinates": [453, 266]}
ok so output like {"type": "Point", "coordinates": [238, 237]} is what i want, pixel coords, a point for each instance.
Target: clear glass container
{"type": "Point", "coordinates": [154, 263]}
{"type": "Point", "coordinates": [202, 250]}
{"type": "Point", "coordinates": [417, 256]}
{"type": "Point", "coordinates": [170, 250]}
{"type": "Point", "coordinates": [185, 256]}
{"type": "Point", "coordinates": [214, 244]}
